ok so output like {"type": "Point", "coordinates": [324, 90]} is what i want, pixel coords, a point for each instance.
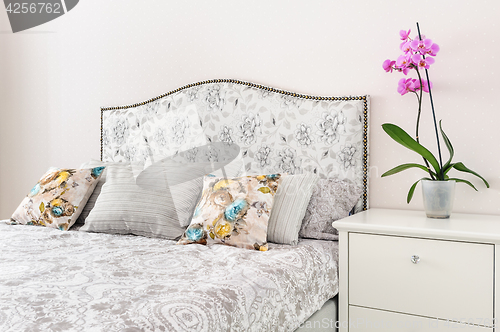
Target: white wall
{"type": "Point", "coordinates": [55, 77]}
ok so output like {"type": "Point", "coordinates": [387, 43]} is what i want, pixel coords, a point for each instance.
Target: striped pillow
{"type": "Point", "coordinates": [290, 204]}
{"type": "Point", "coordinates": [124, 207]}
{"type": "Point", "coordinates": [93, 198]}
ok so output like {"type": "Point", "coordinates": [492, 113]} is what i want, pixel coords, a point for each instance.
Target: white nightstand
{"type": "Point", "coordinates": [401, 271]}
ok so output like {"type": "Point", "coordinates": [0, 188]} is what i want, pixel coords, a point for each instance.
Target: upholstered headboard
{"type": "Point", "coordinates": [277, 131]}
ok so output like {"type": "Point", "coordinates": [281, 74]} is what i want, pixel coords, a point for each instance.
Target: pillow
{"type": "Point", "coordinates": [289, 207]}
{"type": "Point", "coordinates": [123, 207]}
{"type": "Point", "coordinates": [97, 190]}
{"type": "Point", "coordinates": [332, 199]}
{"type": "Point", "coordinates": [233, 211]}
{"type": "Point", "coordinates": [58, 198]}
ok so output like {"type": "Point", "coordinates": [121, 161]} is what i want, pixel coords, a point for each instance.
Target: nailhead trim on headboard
{"type": "Point", "coordinates": [270, 89]}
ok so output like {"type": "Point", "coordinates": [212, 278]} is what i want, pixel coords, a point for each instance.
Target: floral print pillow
{"type": "Point", "coordinates": [58, 198]}
{"type": "Point", "coordinates": [233, 211]}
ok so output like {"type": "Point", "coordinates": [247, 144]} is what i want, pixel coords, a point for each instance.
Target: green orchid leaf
{"type": "Point", "coordinates": [400, 136]}
{"type": "Point", "coordinates": [461, 167]}
{"type": "Point", "coordinates": [447, 168]}
{"type": "Point", "coordinates": [412, 190]}
{"type": "Point", "coordinates": [463, 181]}
{"type": "Point", "coordinates": [403, 167]}
{"type": "Point", "coordinates": [448, 145]}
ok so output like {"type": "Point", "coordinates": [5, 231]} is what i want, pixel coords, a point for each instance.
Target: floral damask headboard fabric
{"type": "Point", "coordinates": [277, 131]}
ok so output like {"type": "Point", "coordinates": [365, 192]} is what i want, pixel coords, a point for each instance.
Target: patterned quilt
{"type": "Point", "coordinates": [76, 281]}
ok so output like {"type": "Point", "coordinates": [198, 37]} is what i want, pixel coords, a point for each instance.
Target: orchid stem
{"type": "Point", "coordinates": [441, 175]}
{"type": "Point", "coordinates": [419, 105]}
{"type": "Point", "coordinates": [418, 121]}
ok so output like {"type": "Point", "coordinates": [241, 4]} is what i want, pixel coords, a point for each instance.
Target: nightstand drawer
{"type": "Point", "coordinates": [448, 279]}
{"type": "Point", "coordinates": [363, 319]}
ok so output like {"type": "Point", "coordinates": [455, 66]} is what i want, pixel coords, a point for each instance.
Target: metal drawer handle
{"type": "Point", "coordinates": [415, 259]}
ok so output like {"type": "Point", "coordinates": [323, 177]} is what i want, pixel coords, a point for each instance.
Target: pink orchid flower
{"type": "Point", "coordinates": [422, 63]}
{"type": "Point", "coordinates": [425, 85]}
{"type": "Point", "coordinates": [405, 46]}
{"type": "Point", "coordinates": [388, 65]}
{"type": "Point", "coordinates": [422, 46]}
{"type": "Point", "coordinates": [404, 34]}
{"type": "Point", "coordinates": [433, 50]}
{"type": "Point", "coordinates": [403, 63]}
{"type": "Point", "coordinates": [417, 86]}
{"type": "Point", "coordinates": [406, 85]}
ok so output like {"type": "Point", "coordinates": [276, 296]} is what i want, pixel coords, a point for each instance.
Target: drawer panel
{"type": "Point", "coordinates": [451, 280]}
{"type": "Point", "coordinates": [364, 319]}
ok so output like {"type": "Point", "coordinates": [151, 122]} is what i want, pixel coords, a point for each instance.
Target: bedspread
{"type": "Point", "coordinates": [52, 280]}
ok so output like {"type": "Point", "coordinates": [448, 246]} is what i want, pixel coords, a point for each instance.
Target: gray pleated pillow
{"type": "Point", "coordinates": [290, 204]}
{"type": "Point", "coordinates": [124, 207]}
{"type": "Point", "coordinates": [93, 198]}
{"type": "Point", "coordinates": [332, 200]}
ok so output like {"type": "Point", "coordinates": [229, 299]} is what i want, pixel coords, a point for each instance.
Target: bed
{"type": "Point", "coordinates": [114, 279]}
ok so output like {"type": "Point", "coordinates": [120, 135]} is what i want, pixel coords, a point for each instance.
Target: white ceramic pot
{"type": "Point", "coordinates": [438, 198]}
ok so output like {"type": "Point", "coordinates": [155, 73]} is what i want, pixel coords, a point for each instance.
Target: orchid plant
{"type": "Point", "coordinates": [418, 55]}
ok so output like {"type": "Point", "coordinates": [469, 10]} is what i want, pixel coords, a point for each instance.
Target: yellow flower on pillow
{"type": "Point", "coordinates": [223, 228]}
{"type": "Point", "coordinates": [222, 184]}
{"type": "Point", "coordinates": [63, 176]}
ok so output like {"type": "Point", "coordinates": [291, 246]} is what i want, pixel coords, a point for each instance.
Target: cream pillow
{"type": "Point", "coordinates": [58, 198]}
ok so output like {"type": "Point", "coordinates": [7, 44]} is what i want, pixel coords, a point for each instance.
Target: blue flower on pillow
{"type": "Point", "coordinates": [35, 190]}
{"type": "Point", "coordinates": [194, 233]}
{"type": "Point", "coordinates": [273, 176]}
{"type": "Point", "coordinates": [96, 171]}
{"type": "Point", "coordinates": [197, 211]}
{"type": "Point", "coordinates": [233, 210]}
{"type": "Point", "coordinates": [57, 211]}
